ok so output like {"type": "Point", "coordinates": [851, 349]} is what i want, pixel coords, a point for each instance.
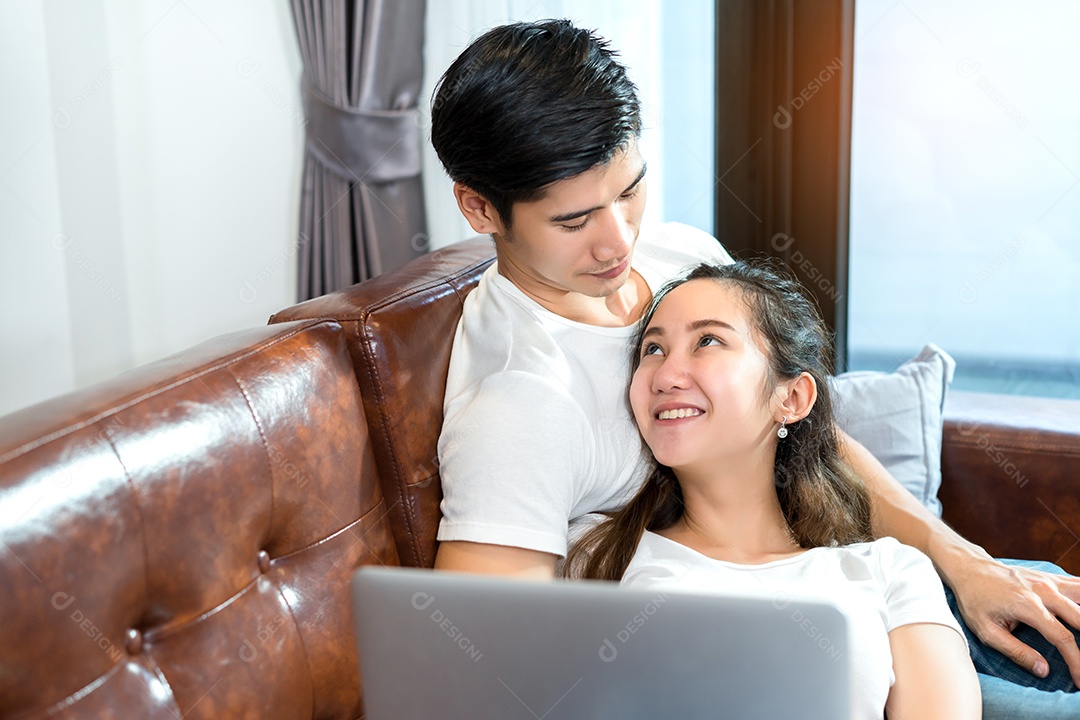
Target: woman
{"type": "Point", "coordinates": [749, 492]}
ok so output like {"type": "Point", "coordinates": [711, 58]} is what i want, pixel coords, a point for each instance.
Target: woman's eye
{"type": "Point", "coordinates": [650, 349]}
{"type": "Point", "coordinates": [709, 340]}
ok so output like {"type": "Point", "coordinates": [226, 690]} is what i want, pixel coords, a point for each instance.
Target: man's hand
{"type": "Point", "coordinates": [994, 597]}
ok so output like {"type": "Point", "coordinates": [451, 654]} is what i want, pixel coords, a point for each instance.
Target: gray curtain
{"type": "Point", "coordinates": [361, 204]}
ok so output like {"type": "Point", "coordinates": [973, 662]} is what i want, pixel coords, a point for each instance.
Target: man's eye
{"type": "Point", "coordinates": [630, 195]}
{"type": "Point", "coordinates": [575, 228]}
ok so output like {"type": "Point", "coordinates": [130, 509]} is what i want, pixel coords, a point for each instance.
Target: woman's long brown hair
{"type": "Point", "coordinates": [822, 502]}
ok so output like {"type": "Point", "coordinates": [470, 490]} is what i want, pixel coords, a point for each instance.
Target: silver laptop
{"type": "Point", "coordinates": [444, 645]}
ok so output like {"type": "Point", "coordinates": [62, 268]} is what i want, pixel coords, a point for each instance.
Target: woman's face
{"type": "Point", "coordinates": [699, 395]}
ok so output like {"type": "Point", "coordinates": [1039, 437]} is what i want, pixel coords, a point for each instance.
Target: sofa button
{"type": "Point", "coordinates": [264, 562]}
{"type": "Point", "coordinates": [133, 641]}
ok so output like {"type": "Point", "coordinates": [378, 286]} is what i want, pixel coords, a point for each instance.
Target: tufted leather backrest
{"type": "Point", "coordinates": [177, 542]}
{"type": "Point", "coordinates": [400, 328]}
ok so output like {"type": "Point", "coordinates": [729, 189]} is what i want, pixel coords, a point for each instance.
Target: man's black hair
{"type": "Point", "coordinates": [528, 104]}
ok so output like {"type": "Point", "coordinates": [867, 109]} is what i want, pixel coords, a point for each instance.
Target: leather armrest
{"type": "Point", "coordinates": [400, 328]}
{"type": "Point", "coordinates": [1011, 475]}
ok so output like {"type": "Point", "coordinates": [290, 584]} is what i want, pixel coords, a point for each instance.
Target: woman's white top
{"type": "Point", "coordinates": [879, 586]}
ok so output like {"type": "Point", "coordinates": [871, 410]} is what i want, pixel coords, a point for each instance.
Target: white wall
{"type": "Point", "coordinates": [150, 157]}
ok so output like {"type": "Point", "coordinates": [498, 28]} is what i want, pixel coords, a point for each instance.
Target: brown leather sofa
{"type": "Point", "coordinates": [177, 542]}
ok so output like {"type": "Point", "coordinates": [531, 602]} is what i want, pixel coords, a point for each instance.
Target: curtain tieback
{"type": "Point", "coordinates": [373, 146]}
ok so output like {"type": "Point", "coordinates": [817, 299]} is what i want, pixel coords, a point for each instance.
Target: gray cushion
{"type": "Point", "coordinates": [897, 416]}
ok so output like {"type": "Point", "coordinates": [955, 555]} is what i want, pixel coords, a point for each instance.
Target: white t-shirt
{"type": "Point", "coordinates": [879, 586]}
{"type": "Point", "coordinates": [537, 429]}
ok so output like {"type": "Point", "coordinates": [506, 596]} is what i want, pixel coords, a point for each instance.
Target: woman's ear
{"type": "Point", "coordinates": [478, 210]}
{"type": "Point", "coordinates": [797, 397]}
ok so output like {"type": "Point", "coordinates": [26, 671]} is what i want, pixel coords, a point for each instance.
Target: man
{"type": "Point", "coordinates": [537, 124]}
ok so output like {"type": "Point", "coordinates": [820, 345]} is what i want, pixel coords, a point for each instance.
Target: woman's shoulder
{"type": "Point", "coordinates": [658, 560]}
{"type": "Point", "coordinates": [890, 561]}
{"type": "Point", "coordinates": [883, 547]}
{"type": "Point", "coordinates": [883, 559]}
{"type": "Point", "coordinates": [893, 551]}
{"type": "Point", "coordinates": [653, 548]}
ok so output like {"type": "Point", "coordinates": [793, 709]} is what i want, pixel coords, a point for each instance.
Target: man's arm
{"type": "Point", "coordinates": [459, 556]}
{"type": "Point", "coordinates": [992, 597]}
{"type": "Point", "coordinates": [508, 477]}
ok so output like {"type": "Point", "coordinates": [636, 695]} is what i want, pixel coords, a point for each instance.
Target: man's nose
{"type": "Point", "coordinates": [616, 236]}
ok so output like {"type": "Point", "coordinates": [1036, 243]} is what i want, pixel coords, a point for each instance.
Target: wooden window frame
{"type": "Point", "coordinates": [783, 141]}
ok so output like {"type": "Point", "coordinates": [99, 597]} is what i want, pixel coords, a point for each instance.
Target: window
{"type": "Point", "coordinates": [965, 191]}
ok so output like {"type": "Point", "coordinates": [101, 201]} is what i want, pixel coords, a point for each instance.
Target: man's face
{"type": "Point", "coordinates": [580, 236]}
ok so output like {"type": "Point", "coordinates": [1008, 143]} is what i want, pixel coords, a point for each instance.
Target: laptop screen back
{"type": "Point", "coordinates": [442, 645]}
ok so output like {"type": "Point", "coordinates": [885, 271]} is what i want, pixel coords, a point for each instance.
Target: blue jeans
{"type": "Point", "coordinates": [1003, 700]}
{"type": "Point", "coordinates": [1009, 691]}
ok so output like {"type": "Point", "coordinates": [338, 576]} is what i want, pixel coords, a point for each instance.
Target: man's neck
{"type": "Point", "coordinates": [628, 304]}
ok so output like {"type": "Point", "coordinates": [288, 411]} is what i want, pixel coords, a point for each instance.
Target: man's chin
{"type": "Point", "coordinates": [607, 292]}
{"type": "Point", "coordinates": [606, 288]}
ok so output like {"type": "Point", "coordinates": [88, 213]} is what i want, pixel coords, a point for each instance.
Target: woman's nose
{"type": "Point", "coordinates": [671, 375]}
